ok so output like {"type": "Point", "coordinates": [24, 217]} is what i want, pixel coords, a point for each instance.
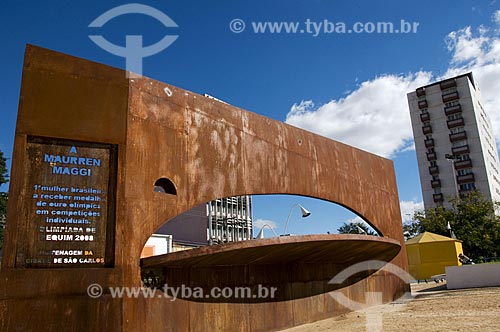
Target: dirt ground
{"type": "Point", "coordinates": [433, 308]}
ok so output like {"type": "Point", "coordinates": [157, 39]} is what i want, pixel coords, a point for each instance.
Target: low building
{"type": "Point", "coordinates": [429, 254]}
{"type": "Point", "coordinates": [219, 221]}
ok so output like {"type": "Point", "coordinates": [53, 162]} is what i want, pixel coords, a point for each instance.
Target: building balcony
{"type": "Point", "coordinates": [422, 104]}
{"type": "Point", "coordinates": [431, 156]}
{"type": "Point", "coordinates": [448, 84]}
{"type": "Point", "coordinates": [460, 149]}
{"type": "Point", "coordinates": [433, 170]}
{"type": "Point", "coordinates": [452, 109]}
{"type": "Point", "coordinates": [455, 123]}
{"type": "Point", "coordinates": [438, 197]}
{"type": "Point", "coordinates": [427, 129]}
{"type": "Point", "coordinates": [461, 164]}
{"type": "Point", "coordinates": [420, 92]}
{"type": "Point", "coordinates": [463, 192]}
{"type": "Point", "coordinates": [425, 116]}
{"type": "Point", "coordinates": [429, 143]}
{"type": "Point", "coordinates": [461, 179]}
{"type": "Point", "coordinates": [458, 136]}
{"type": "Point", "coordinates": [435, 183]}
{"type": "Point", "coordinates": [450, 97]}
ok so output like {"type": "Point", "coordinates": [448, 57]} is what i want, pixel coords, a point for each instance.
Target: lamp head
{"type": "Point", "coordinates": [305, 213]}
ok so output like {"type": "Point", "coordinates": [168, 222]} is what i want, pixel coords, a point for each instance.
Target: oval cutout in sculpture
{"type": "Point", "coordinates": [246, 217]}
{"type": "Point", "coordinates": [165, 186]}
{"type": "Point", "coordinates": [227, 236]}
{"type": "Point", "coordinates": [276, 211]}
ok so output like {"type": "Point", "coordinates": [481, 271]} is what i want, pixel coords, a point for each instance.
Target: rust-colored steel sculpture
{"type": "Point", "coordinates": [143, 130]}
{"type": "Point", "coordinates": [280, 262]}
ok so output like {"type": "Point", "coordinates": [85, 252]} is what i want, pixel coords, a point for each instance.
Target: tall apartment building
{"type": "Point", "coordinates": [454, 141]}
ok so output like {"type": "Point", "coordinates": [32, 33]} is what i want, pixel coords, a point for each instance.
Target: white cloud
{"type": "Point", "coordinates": [363, 117]}
{"type": "Point", "coordinates": [485, 68]}
{"type": "Point", "coordinates": [359, 220]}
{"type": "Point", "coordinates": [356, 220]}
{"type": "Point", "coordinates": [375, 116]}
{"type": "Point", "coordinates": [464, 46]}
{"type": "Point", "coordinates": [409, 148]}
{"type": "Point", "coordinates": [408, 208]}
{"type": "Point", "coordinates": [259, 223]}
{"type": "Point", "coordinates": [496, 17]}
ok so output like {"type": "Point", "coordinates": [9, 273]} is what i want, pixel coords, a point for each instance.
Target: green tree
{"type": "Point", "coordinates": [411, 229]}
{"type": "Point", "coordinates": [4, 178]}
{"type": "Point", "coordinates": [472, 219]}
{"type": "Point", "coordinates": [3, 214]}
{"type": "Point", "coordinates": [355, 228]}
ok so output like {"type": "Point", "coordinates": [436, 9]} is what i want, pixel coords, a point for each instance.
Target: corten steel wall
{"type": "Point", "coordinates": [209, 150]}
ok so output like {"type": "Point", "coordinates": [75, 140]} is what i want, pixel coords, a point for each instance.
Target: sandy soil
{"type": "Point", "coordinates": [433, 308]}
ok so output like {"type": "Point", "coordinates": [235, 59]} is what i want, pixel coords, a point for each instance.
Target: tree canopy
{"type": "Point", "coordinates": [3, 196]}
{"type": "Point", "coordinates": [4, 178]}
{"type": "Point", "coordinates": [472, 219]}
{"type": "Point", "coordinates": [3, 213]}
{"type": "Point", "coordinates": [355, 228]}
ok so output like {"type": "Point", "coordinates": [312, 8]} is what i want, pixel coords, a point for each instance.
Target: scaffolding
{"type": "Point", "coordinates": [229, 219]}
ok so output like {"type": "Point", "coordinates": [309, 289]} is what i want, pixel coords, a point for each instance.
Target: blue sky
{"type": "Point", "coordinates": [349, 87]}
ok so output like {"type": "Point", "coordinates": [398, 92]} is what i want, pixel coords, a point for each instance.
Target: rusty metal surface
{"type": "Point", "coordinates": [208, 150]}
{"type": "Point", "coordinates": [304, 249]}
{"type": "Point", "coordinates": [281, 263]}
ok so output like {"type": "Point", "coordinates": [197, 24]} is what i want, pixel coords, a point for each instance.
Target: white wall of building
{"type": "Point", "coordinates": [162, 244]}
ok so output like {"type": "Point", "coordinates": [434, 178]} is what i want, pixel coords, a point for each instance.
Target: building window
{"type": "Point", "coordinates": [449, 90]}
{"type": "Point", "coordinates": [457, 130]}
{"type": "Point", "coordinates": [467, 186]}
{"type": "Point", "coordinates": [452, 103]}
{"type": "Point", "coordinates": [464, 156]}
{"type": "Point", "coordinates": [460, 143]}
{"type": "Point", "coordinates": [466, 171]}
{"type": "Point", "coordinates": [454, 116]}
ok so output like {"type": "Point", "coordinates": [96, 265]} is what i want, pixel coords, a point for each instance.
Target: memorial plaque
{"type": "Point", "coordinates": [69, 204]}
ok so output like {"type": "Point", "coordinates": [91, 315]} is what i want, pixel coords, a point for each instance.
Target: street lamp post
{"type": "Point", "coordinates": [305, 214]}
{"type": "Point", "coordinates": [260, 235]}
{"type": "Point", "coordinates": [452, 158]}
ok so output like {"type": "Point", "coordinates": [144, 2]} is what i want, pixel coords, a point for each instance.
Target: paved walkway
{"type": "Point", "coordinates": [433, 308]}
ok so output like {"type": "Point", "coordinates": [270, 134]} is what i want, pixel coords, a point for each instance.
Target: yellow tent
{"type": "Point", "coordinates": [429, 254]}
